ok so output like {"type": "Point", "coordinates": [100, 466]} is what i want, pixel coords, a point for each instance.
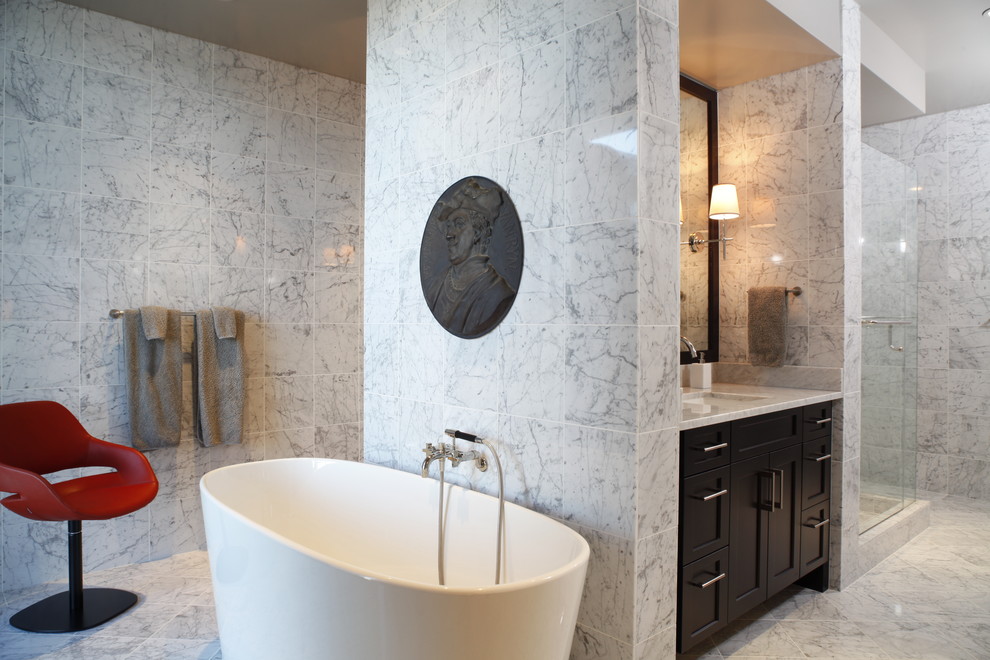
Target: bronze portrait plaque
{"type": "Point", "coordinates": [471, 258]}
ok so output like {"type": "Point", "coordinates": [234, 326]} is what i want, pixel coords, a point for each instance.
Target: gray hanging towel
{"type": "Point", "coordinates": [154, 376]}
{"type": "Point", "coordinates": [767, 318]}
{"type": "Point", "coordinates": [220, 375]}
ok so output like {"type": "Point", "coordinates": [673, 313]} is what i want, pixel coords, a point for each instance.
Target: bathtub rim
{"type": "Point", "coordinates": [560, 573]}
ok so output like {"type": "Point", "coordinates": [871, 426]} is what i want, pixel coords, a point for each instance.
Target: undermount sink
{"type": "Point", "coordinates": [711, 397]}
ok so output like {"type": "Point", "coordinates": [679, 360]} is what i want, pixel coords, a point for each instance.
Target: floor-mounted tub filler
{"type": "Point", "coordinates": [318, 559]}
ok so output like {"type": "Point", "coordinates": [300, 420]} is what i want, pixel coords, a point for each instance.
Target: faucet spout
{"type": "Point", "coordinates": [690, 347]}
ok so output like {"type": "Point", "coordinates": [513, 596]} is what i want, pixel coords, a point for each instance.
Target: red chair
{"type": "Point", "coordinates": [41, 437]}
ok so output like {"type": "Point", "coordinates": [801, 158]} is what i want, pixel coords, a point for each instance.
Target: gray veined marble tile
{"type": "Point", "coordinates": [339, 297]}
{"type": "Point", "coordinates": [780, 165]}
{"type": "Point", "coordinates": [777, 104]}
{"type": "Point", "coordinates": [289, 297]}
{"type": "Point", "coordinates": [288, 349]}
{"type": "Point", "coordinates": [596, 490]}
{"type": "Point", "coordinates": [601, 73]}
{"type": "Point", "coordinates": [472, 36]}
{"type": "Point", "coordinates": [115, 166]}
{"type": "Point", "coordinates": [601, 273]}
{"type": "Point", "coordinates": [658, 403]}
{"type": "Point", "coordinates": [290, 190]}
{"type": "Point", "coordinates": [240, 288]}
{"type": "Point", "coordinates": [47, 28]}
{"type": "Point", "coordinates": [472, 372]}
{"type": "Point", "coordinates": [656, 468]}
{"type": "Point", "coordinates": [419, 344]}
{"type": "Point", "coordinates": [600, 171]}
{"type": "Point", "coordinates": [118, 46]}
{"type": "Point", "coordinates": [114, 228]}
{"type": "Point", "coordinates": [658, 162]}
{"type": "Point", "coordinates": [541, 297]}
{"type": "Point", "coordinates": [658, 67]}
{"type": "Point", "coordinates": [40, 288]}
{"type": "Point", "coordinates": [340, 147]}
{"type": "Point", "coordinates": [238, 239]}
{"type": "Point", "coordinates": [40, 222]}
{"type": "Point", "coordinates": [338, 247]}
{"type": "Point", "coordinates": [288, 402]}
{"type": "Point", "coordinates": [600, 386]}
{"type": "Point", "coordinates": [533, 452]}
{"type": "Point", "coordinates": [292, 88]}
{"type": "Point", "coordinates": [290, 443]}
{"type": "Point", "coordinates": [179, 286]}
{"type": "Point", "coordinates": [291, 138]}
{"type": "Point", "coordinates": [183, 61]}
{"type": "Point", "coordinates": [532, 371]}
{"type": "Point", "coordinates": [532, 172]}
{"type": "Point", "coordinates": [182, 117]}
{"type": "Point", "coordinates": [524, 24]}
{"type": "Point", "coordinates": [656, 289]}
{"type": "Point", "coordinates": [656, 584]}
{"type": "Point", "coordinates": [290, 243]}
{"type": "Point", "coordinates": [101, 354]}
{"type": "Point", "coordinates": [532, 86]}
{"type": "Point", "coordinates": [422, 61]}
{"type": "Point", "coordinates": [180, 234]}
{"type": "Point", "coordinates": [339, 198]}
{"type": "Point", "coordinates": [41, 155]}
{"type": "Point", "coordinates": [40, 89]}
{"type": "Point", "coordinates": [36, 355]}
{"type": "Point", "coordinates": [472, 118]}
{"type": "Point", "coordinates": [337, 399]}
{"type": "Point", "coordinates": [240, 128]}
{"type": "Point", "coordinates": [825, 169]}
{"type": "Point", "coordinates": [180, 176]}
{"type": "Point", "coordinates": [340, 100]}
{"type": "Point", "coordinates": [825, 93]}
{"type": "Point", "coordinates": [107, 285]}
{"type": "Point", "coordinates": [239, 75]}
{"type": "Point", "coordinates": [384, 85]}
{"type": "Point", "coordinates": [117, 104]}
{"type": "Point", "coordinates": [383, 133]}
{"type": "Point", "coordinates": [238, 184]}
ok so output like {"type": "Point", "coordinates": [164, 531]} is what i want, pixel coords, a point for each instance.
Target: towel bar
{"type": "Point", "coordinates": [797, 291]}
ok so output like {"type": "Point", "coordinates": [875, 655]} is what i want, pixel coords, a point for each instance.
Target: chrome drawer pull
{"type": "Point", "coordinates": [715, 579]}
{"type": "Point", "coordinates": [818, 525]}
{"type": "Point", "coordinates": [819, 459]}
{"type": "Point", "coordinates": [715, 495]}
{"type": "Point", "coordinates": [820, 422]}
{"type": "Point", "coordinates": [716, 447]}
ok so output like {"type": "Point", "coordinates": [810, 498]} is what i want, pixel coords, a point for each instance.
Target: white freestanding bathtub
{"type": "Point", "coordinates": [317, 559]}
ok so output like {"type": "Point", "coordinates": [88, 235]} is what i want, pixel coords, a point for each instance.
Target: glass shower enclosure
{"type": "Point", "coordinates": [888, 458]}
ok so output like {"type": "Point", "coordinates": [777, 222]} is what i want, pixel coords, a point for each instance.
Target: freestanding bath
{"type": "Point", "coordinates": [317, 559]}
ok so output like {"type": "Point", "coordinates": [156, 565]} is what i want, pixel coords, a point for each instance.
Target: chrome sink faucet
{"type": "Point", "coordinates": [690, 346]}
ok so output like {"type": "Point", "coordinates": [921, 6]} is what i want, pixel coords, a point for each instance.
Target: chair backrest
{"type": "Point", "coordinates": [41, 436]}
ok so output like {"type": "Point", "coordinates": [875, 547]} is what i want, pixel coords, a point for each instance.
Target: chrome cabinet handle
{"type": "Point", "coordinates": [775, 502]}
{"type": "Point", "coordinates": [819, 524]}
{"type": "Point", "coordinates": [715, 579]}
{"type": "Point", "coordinates": [820, 422]}
{"type": "Point", "coordinates": [819, 459]}
{"type": "Point", "coordinates": [717, 495]}
{"type": "Point", "coordinates": [722, 445]}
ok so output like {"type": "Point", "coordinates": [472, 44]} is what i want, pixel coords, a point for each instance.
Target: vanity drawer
{"type": "Point", "coordinates": [704, 594]}
{"type": "Point", "coordinates": [704, 514]}
{"type": "Point", "coordinates": [814, 537]}
{"type": "Point", "coordinates": [816, 471]}
{"type": "Point", "coordinates": [763, 434]}
{"type": "Point", "coordinates": [704, 448]}
{"type": "Point", "coordinates": [818, 420]}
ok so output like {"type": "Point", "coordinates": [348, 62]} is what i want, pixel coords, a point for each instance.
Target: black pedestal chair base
{"type": "Point", "coordinates": [55, 614]}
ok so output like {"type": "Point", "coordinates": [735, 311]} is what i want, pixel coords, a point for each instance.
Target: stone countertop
{"type": "Point", "coordinates": [741, 401]}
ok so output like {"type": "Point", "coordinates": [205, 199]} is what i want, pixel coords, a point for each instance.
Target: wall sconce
{"type": "Point", "coordinates": [724, 206]}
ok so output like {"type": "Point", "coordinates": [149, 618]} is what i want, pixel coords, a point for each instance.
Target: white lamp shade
{"type": "Point", "coordinates": [725, 203]}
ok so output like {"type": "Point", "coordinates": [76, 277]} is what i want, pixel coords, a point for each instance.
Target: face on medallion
{"type": "Point", "coordinates": [459, 233]}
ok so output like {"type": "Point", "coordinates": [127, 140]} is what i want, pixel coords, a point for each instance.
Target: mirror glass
{"type": "Point", "coordinates": [699, 265]}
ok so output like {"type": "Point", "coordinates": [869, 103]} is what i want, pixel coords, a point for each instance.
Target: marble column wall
{"type": "Point", "coordinates": [569, 105]}
{"type": "Point", "coordinates": [142, 167]}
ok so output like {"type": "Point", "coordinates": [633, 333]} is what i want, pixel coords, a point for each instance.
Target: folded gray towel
{"type": "Point", "coordinates": [155, 321]}
{"type": "Point", "coordinates": [154, 381]}
{"type": "Point", "coordinates": [220, 380]}
{"type": "Point", "coordinates": [225, 322]}
{"type": "Point", "coordinates": [767, 318]}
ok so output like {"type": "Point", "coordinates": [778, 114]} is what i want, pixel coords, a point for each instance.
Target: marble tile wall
{"type": "Point", "coordinates": [568, 104]}
{"type": "Point", "coordinates": [143, 167]}
{"type": "Point", "coordinates": [945, 157]}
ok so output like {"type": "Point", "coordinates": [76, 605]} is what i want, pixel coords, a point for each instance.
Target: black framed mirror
{"type": "Point", "coordinates": [699, 264]}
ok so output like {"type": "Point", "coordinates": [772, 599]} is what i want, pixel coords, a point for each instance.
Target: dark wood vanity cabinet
{"type": "Point", "coordinates": [757, 522]}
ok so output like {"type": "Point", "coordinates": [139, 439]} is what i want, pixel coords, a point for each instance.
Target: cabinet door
{"type": "Point", "coordinates": [816, 472]}
{"type": "Point", "coordinates": [749, 507]}
{"type": "Point", "coordinates": [814, 537]}
{"type": "Point", "coordinates": [704, 514]}
{"type": "Point", "coordinates": [754, 436]}
{"type": "Point", "coordinates": [784, 542]}
{"type": "Point", "coordinates": [704, 448]}
{"type": "Point", "coordinates": [818, 420]}
{"type": "Point", "coordinates": [703, 599]}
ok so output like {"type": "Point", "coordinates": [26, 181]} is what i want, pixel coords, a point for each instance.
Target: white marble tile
{"type": "Point", "coordinates": [240, 288]}
{"type": "Point", "coordinates": [237, 184]}
{"type": "Point", "coordinates": [338, 247]}
{"type": "Point", "coordinates": [116, 104]}
{"type": "Point", "coordinates": [339, 198]}
{"type": "Point", "coordinates": [290, 296]}
{"type": "Point", "coordinates": [39, 89]}
{"type": "Point", "coordinates": [601, 273]}
{"type": "Point", "coordinates": [118, 46]}
{"type": "Point", "coordinates": [40, 222]}
{"type": "Point", "coordinates": [658, 67]}
{"type": "Point", "coordinates": [289, 243]}
{"type": "Point", "coordinates": [542, 295]}
{"type": "Point", "coordinates": [419, 344]}
{"type": "Point", "coordinates": [114, 228]}
{"type": "Point", "coordinates": [656, 468]}
{"type": "Point", "coordinates": [658, 140]}
{"type": "Point", "coordinates": [338, 297]}
{"type": "Point", "coordinates": [590, 644]}
{"type": "Point", "coordinates": [239, 75]}
{"type": "Point", "coordinates": [532, 452]}
{"type": "Point", "coordinates": [41, 155]}
{"type": "Point", "coordinates": [657, 291]}
{"type": "Point", "coordinates": [659, 357]}
{"type": "Point", "coordinates": [291, 138]}
{"type": "Point", "coordinates": [601, 70]}
{"type": "Point", "coordinates": [472, 115]}
{"type": "Point", "coordinates": [288, 402]}
{"type": "Point", "coordinates": [237, 239]}
{"type": "Point", "coordinates": [532, 172]}
{"type": "Point", "coordinates": [525, 24]}
{"type": "Point", "coordinates": [600, 387]}
{"type": "Point", "coordinates": [825, 93]}
{"type": "Point", "coordinates": [39, 355]}
{"type": "Point", "coordinates": [40, 288]}
{"type": "Point", "coordinates": [115, 166]}
{"type": "Point", "coordinates": [532, 86]}
{"type": "Point", "coordinates": [180, 176]}
{"type": "Point", "coordinates": [337, 399]}
{"type": "Point", "coordinates": [47, 28]}
{"type": "Point", "coordinates": [532, 371]}
{"type": "Point", "coordinates": [290, 443]}
{"type": "Point", "coordinates": [471, 366]}
{"type": "Point", "coordinates": [292, 88]}
{"type": "Point", "coordinates": [179, 286]}
{"type": "Point", "coordinates": [240, 128]}
{"type": "Point", "coordinates": [422, 56]}
{"type": "Point", "coordinates": [288, 349]}
{"type": "Point", "coordinates": [777, 104]}
{"type": "Point", "coordinates": [607, 604]}
{"type": "Point", "coordinates": [656, 584]}
{"type": "Point", "coordinates": [340, 147]}
{"type": "Point", "coordinates": [340, 100]}
{"type": "Point", "coordinates": [290, 190]}
{"type": "Point", "coordinates": [600, 172]}
{"type": "Point", "coordinates": [780, 165]}
{"type": "Point", "coordinates": [182, 117]}
{"type": "Point", "coordinates": [183, 61]}
{"type": "Point", "coordinates": [825, 158]}
{"type": "Point", "coordinates": [384, 85]}
{"type": "Point", "coordinates": [101, 354]}
{"type": "Point", "coordinates": [382, 135]}
{"type": "Point", "coordinates": [472, 33]}
{"type": "Point", "coordinates": [180, 234]}
{"type": "Point", "coordinates": [106, 285]}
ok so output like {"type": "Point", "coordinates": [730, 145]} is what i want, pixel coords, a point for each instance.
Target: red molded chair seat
{"type": "Point", "coordinates": [42, 437]}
